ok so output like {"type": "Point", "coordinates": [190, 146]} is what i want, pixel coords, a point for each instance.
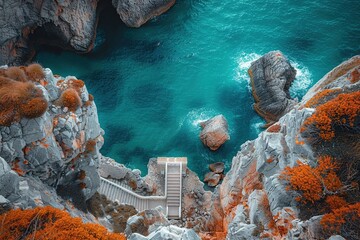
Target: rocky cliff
{"type": "Point", "coordinates": [264, 196]}
{"type": "Point", "coordinates": [66, 24]}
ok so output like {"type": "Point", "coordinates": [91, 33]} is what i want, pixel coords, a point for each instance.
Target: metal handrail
{"type": "Point", "coordinates": [135, 194]}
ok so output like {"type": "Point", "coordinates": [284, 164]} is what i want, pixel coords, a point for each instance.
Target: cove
{"type": "Point", "coordinates": [153, 85]}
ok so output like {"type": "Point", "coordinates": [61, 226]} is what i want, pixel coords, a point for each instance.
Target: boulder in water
{"type": "Point", "coordinates": [215, 132]}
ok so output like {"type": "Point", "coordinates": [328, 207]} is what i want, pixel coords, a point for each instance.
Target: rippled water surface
{"type": "Point", "coordinates": [153, 85]}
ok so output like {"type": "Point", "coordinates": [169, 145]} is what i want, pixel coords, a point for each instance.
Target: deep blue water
{"type": "Point", "coordinates": [153, 85]}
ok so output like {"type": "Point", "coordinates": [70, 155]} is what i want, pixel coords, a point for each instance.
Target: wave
{"type": "Point", "coordinates": [244, 63]}
{"type": "Point", "coordinates": [302, 81]}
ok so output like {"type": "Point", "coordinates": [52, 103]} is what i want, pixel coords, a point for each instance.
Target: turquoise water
{"type": "Point", "coordinates": [153, 85]}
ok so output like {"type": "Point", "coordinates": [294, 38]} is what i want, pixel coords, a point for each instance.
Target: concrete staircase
{"type": "Point", "coordinates": [171, 201]}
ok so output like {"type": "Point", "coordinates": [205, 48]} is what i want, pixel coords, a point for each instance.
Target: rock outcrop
{"type": "Point", "coordinates": [61, 147]}
{"type": "Point", "coordinates": [213, 178]}
{"type": "Point", "coordinates": [169, 232]}
{"type": "Point", "coordinates": [135, 13]}
{"type": "Point", "coordinates": [271, 77]}
{"type": "Point", "coordinates": [253, 202]}
{"type": "Point", "coordinates": [67, 24]}
{"type": "Point", "coordinates": [215, 132]}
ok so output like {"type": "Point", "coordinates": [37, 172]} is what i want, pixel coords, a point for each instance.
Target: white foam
{"type": "Point", "coordinates": [244, 63]}
{"type": "Point", "coordinates": [196, 116]}
{"type": "Point", "coordinates": [302, 81]}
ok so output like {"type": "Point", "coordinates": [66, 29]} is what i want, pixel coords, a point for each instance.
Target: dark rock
{"type": "Point", "coordinates": [271, 77]}
{"type": "Point", "coordinates": [136, 13]}
{"type": "Point", "coordinates": [217, 167]}
{"type": "Point", "coordinates": [68, 24]}
{"type": "Point", "coordinates": [212, 179]}
{"type": "Point", "coordinates": [215, 132]}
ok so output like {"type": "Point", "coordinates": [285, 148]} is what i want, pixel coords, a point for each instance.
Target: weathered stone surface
{"type": "Point", "coordinates": [146, 221]}
{"type": "Point", "coordinates": [54, 146]}
{"type": "Point", "coordinates": [212, 179]}
{"type": "Point", "coordinates": [271, 77]}
{"type": "Point", "coordinates": [68, 24]}
{"type": "Point", "coordinates": [135, 13]}
{"type": "Point", "coordinates": [9, 181]}
{"type": "Point", "coordinates": [217, 167]}
{"type": "Point", "coordinates": [170, 232]}
{"type": "Point", "coordinates": [251, 191]}
{"type": "Point", "coordinates": [215, 132]}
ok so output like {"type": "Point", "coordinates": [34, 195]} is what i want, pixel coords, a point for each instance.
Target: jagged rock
{"type": "Point", "coordinates": [54, 147]}
{"type": "Point", "coordinates": [146, 221]}
{"type": "Point", "coordinates": [68, 24]}
{"type": "Point", "coordinates": [217, 167]}
{"type": "Point", "coordinates": [215, 132]}
{"type": "Point", "coordinates": [336, 237]}
{"type": "Point", "coordinates": [238, 229]}
{"type": "Point", "coordinates": [135, 13]}
{"type": "Point", "coordinates": [9, 181]}
{"type": "Point", "coordinates": [271, 77]}
{"type": "Point", "coordinates": [254, 173]}
{"type": "Point", "coordinates": [212, 179]}
{"type": "Point", "coordinates": [170, 232]}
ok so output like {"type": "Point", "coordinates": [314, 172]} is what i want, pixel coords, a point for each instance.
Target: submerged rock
{"type": "Point", "coordinates": [215, 132]}
{"type": "Point", "coordinates": [135, 13]}
{"type": "Point", "coordinates": [271, 77]}
{"type": "Point", "coordinates": [217, 167]}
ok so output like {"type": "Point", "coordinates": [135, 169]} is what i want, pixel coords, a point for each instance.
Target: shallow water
{"type": "Point", "coordinates": [153, 85]}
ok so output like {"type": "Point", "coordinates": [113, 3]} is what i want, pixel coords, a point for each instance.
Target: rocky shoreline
{"type": "Point", "coordinates": [66, 24]}
{"type": "Point", "coordinates": [54, 159]}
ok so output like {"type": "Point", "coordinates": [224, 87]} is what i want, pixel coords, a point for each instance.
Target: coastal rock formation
{"type": "Point", "coordinates": [215, 132]}
{"type": "Point", "coordinates": [67, 24]}
{"type": "Point", "coordinates": [271, 77]}
{"type": "Point", "coordinates": [212, 179]}
{"type": "Point", "coordinates": [135, 13]}
{"type": "Point", "coordinates": [60, 148]}
{"type": "Point", "coordinates": [217, 167]}
{"type": "Point", "coordinates": [255, 202]}
{"type": "Point", "coordinates": [169, 232]}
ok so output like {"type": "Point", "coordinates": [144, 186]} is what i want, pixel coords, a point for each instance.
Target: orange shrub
{"type": "Point", "coordinates": [313, 183]}
{"type": "Point", "coordinates": [340, 111]}
{"type": "Point", "coordinates": [91, 97]}
{"type": "Point", "coordinates": [34, 107]}
{"type": "Point", "coordinates": [90, 146]}
{"type": "Point", "coordinates": [70, 99]}
{"type": "Point", "coordinates": [35, 72]}
{"type": "Point", "coordinates": [16, 74]}
{"type": "Point", "coordinates": [335, 202]}
{"type": "Point", "coordinates": [354, 76]}
{"type": "Point", "coordinates": [17, 100]}
{"type": "Point", "coordinates": [332, 222]}
{"type": "Point", "coordinates": [51, 224]}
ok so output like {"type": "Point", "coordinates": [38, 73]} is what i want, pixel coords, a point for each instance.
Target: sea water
{"type": "Point", "coordinates": [155, 84]}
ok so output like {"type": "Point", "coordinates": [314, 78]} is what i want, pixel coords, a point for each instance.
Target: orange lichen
{"type": "Point", "coordinates": [274, 128]}
{"type": "Point", "coordinates": [70, 99]}
{"type": "Point", "coordinates": [15, 167]}
{"type": "Point", "coordinates": [82, 185]}
{"type": "Point", "coordinates": [270, 160]}
{"type": "Point", "coordinates": [354, 76]}
{"type": "Point", "coordinates": [340, 111]}
{"type": "Point", "coordinates": [91, 97]}
{"type": "Point", "coordinates": [51, 224]}
{"type": "Point", "coordinates": [81, 175]}
{"type": "Point", "coordinates": [319, 96]}
{"type": "Point", "coordinates": [35, 72]}
{"type": "Point", "coordinates": [313, 183]}
{"type": "Point", "coordinates": [76, 84]}
{"type": "Point", "coordinates": [332, 222]}
{"type": "Point", "coordinates": [90, 146]}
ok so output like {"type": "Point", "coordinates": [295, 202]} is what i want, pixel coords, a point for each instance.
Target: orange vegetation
{"type": "Point", "coordinates": [313, 183]}
{"type": "Point", "coordinates": [90, 146]}
{"type": "Point", "coordinates": [340, 111]}
{"type": "Point", "coordinates": [274, 128]}
{"type": "Point", "coordinates": [76, 84]}
{"type": "Point", "coordinates": [51, 224]}
{"type": "Point", "coordinates": [70, 99]}
{"type": "Point", "coordinates": [91, 97]}
{"type": "Point", "coordinates": [81, 175]}
{"type": "Point", "coordinates": [332, 222]}
{"type": "Point", "coordinates": [16, 74]}
{"type": "Point", "coordinates": [20, 99]}
{"type": "Point", "coordinates": [335, 202]}
{"type": "Point", "coordinates": [35, 72]}
{"type": "Point", "coordinates": [319, 96]}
